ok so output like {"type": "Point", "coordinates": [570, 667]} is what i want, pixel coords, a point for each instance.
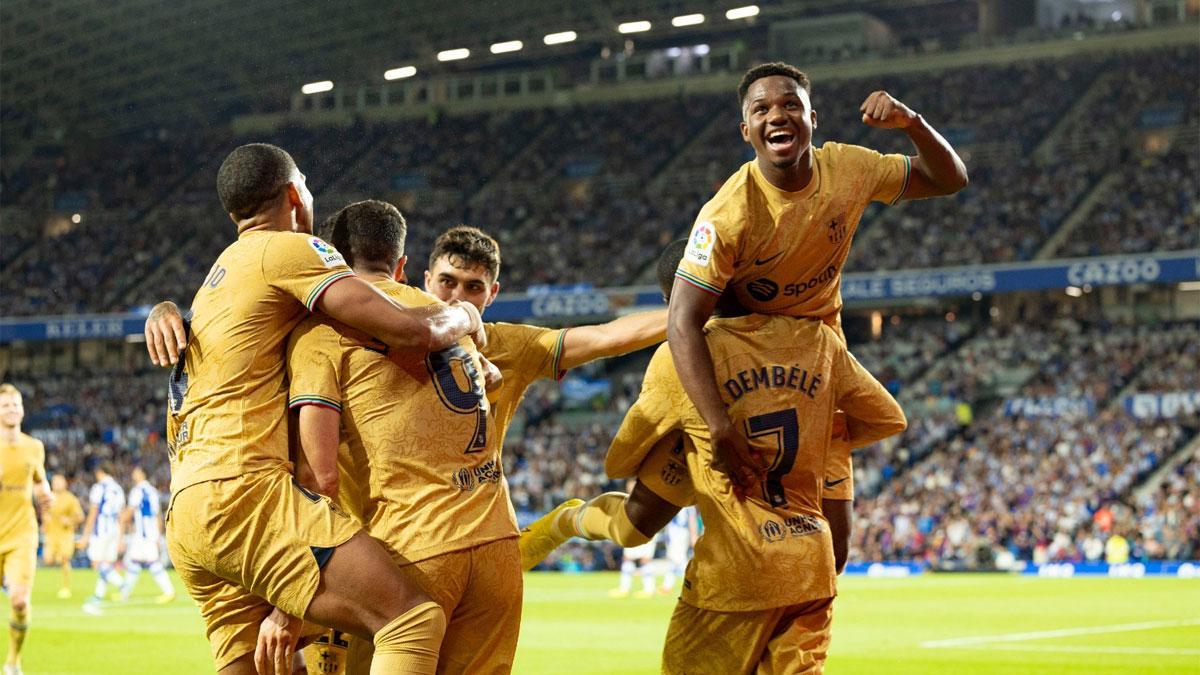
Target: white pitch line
{"type": "Point", "coordinates": [1162, 651]}
{"type": "Point", "coordinates": [1063, 632]}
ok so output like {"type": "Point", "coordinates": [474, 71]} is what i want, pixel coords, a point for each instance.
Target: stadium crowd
{"type": "Point", "coordinates": [554, 184]}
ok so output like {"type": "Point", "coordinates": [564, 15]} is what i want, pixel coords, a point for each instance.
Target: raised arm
{"type": "Point", "coordinates": [690, 308]}
{"type": "Point", "coordinates": [937, 168]}
{"type": "Point", "coordinates": [619, 336]}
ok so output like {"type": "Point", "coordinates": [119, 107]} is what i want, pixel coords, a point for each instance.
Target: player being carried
{"type": "Point", "coordinates": [778, 231]}
{"type": "Point", "coordinates": [22, 476]}
{"type": "Point", "coordinates": [143, 518]}
{"type": "Point", "coordinates": [243, 536]}
{"type": "Point", "coordinates": [758, 592]}
{"type": "Point", "coordinates": [59, 527]}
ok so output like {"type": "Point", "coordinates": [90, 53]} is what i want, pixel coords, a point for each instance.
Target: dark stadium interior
{"type": "Point", "coordinates": [1081, 138]}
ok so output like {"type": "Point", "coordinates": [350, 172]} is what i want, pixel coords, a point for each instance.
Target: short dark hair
{"type": "Point", "coordinates": [471, 245]}
{"type": "Point", "coordinates": [251, 176]}
{"type": "Point", "coordinates": [668, 262]}
{"type": "Point", "coordinates": [768, 70]}
{"type": "Point", "coordinates": [369, 232]}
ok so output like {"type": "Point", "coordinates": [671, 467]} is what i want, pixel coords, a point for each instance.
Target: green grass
{"type": "Point", "coordinates": [572, 626]}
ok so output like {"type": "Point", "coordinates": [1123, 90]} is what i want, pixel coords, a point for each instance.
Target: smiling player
{"type": "Point", "coordinates": [779, 230]}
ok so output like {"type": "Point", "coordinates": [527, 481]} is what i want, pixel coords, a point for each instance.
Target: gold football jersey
{"type": "Point", "coordinates": [420, 459]}
{"type": "Point", "coordinates": [782, 379]}
{"type": "Point", "coordinates": [21, 465]}
{"type": "Point", "coordinates": [228, 398]}
{"type": "Point", "coordinates": [782, 252]}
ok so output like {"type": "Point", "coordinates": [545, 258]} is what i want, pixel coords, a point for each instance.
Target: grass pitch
{"type": "Point", "coordinates": [981, 625]}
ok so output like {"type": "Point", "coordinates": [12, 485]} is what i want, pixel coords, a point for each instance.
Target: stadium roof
{"type": "Point", "coordinates": [106, 66]}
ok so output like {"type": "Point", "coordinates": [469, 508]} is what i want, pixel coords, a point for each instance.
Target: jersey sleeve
{"type": "Point", "coordinates": [532, 351]}
{"type": "Point", "coordinates": [872, 414]}
{"type": "Point", "coordinates": [303, 267]}
{"type": "Point", "coordinates": [839, 473]}
{"type": "Point", "coordinates": [713, 247]}
{"type": "Point", "coordinates": [76, 509]}
{"type": "Point", "coordinates": [315, 366]}
{"type": "Point", "coordinates": [39, 463]}
{"type": "Point", "coordinates": [884, 178]}
{"type": "Point", "coordinates": [655, 414]}
{"type": "Point", "coordinates": [96, 495]}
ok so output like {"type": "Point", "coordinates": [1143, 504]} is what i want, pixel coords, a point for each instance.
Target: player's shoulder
{"type": "Point", "coordinates": [731, 199]}
{"type": "Point", "coordinates": [32, 443]}
{"type": "Point", "coordinates": [407, 295]}
{"type": "Point", "coordinates": [844, 155]}
{"type": "Point", "coordinates": [503, 337]}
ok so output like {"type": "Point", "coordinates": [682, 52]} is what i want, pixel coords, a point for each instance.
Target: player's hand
{"type": "Point", "coordinates": [277, 637]}
{"type": "Point", "coordinates": [882, 111]}
{"type": "Point", "coordinates": [492, 377]}
{"type": "Point", "coordinates": [478, 332]}
{"type": "Point", "coordinates": [733, 456]}
{"type": "Point", "coordinates": [165, 334]}
{"type": "Point", "coordinates": [841, 429]}
{"type": "Point", "coordinates": [45, 500]}
{"type": "Point", "coordinates": [82, 543]}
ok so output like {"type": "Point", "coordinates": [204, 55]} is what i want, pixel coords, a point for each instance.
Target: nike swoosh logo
{"type": "Point", "coordinates": [835, 483]}
{"type": "Point", "coordinates": [764, 262]}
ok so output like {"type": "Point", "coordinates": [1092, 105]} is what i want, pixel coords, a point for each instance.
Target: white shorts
{"type": "Point", "coordinates": [143, 550]}
{"type": "Point", "coordinates": [103, 549]}
{"type": "Point", "coordinates": [641, 552]}
{"type": "Point", "coordinates": [677, 550]}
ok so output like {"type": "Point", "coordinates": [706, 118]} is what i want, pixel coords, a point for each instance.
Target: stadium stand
{"type": "Point", "coordinates": [553, 184]}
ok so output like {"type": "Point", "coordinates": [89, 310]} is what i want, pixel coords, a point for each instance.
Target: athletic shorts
{"type": "Point", "coordinates": [58, 548]}
{"type": "Point", "coordinates": [664, 470]}
{"type": "Point", "coordinates": [104, 549]}
{"type": "Point", "coordinates": [787, 640]}
{"type": "Point", "coordinates": [480, 589]}
{"type": "Point", "coordinates": [143, 551]}
{"type": "Point", "coordinates": [244, 545]}
{"type": "Point", "coordinates": [18, 559]}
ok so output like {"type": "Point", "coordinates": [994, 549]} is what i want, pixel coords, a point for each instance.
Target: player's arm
{"type": "Point", "coordinates": [93, 512]}
{"type": "Point", "coordinates": [619, 336]}
{"type": "Point", "coordinates": [937, 169]}
{"type": "Point", "coordinates": [690, 308]}
{"type": "Point", "coordinates": [41, 486]}
{"type": "Point", "coordinates": [166, 333]}
{"type": "Point", "coordinates": [839, 513]}
{"type": "Point", "coordinates": [319, 431]}
{"type": "Point", "coordinates": [872, 414]}
{"type": "Point", "coordinates": [432, 328]}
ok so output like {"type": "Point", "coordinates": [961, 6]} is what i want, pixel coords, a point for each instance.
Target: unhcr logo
{"type": "Point", "coordinates": [772, 531]}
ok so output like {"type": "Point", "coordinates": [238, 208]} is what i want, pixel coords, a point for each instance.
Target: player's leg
{"type": "Point", "coordinates": [646, 572]}
{"type": "Point", "coordinates": [663, 487]}
{"type": "Point", "coordinates": [263, 537]}
{"type": "Point", "coordinates": [483, 630]}
{"type": "Point", "coordinates": [628, 567]}
{"type": "Point", "coordinates": [18, 565]}
{"type": "Point", "coordinates": [133, 571]}
{"type": "Point", "coordinates": [163, 581]}
{"type": "Point", "coordinates": [800, 640]}
{"type": "Point", "coordinates": [703, 641]}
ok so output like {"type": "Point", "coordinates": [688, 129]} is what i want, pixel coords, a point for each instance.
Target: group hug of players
{"type": "Point", "coordinates": [335, 434]}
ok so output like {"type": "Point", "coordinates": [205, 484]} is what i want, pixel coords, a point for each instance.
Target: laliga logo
{"type": "Point", "coordinates": [702, 236]}
{"type": "Point", "coordinates": [322, 247]}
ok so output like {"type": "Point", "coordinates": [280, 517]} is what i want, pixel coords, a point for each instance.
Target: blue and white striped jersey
{"type": "Point", "coordinates": [109, 500]}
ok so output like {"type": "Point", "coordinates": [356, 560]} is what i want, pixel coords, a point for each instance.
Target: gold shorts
{"type": "Point", "coordinates": [58, 548]}
{"type": "Point", "coordinates": [665, 472]}
{"type": "Point", "coordinates": [242, 545]}
{"type": "Point", "coordinates": [788, 640]}
{"type": "Point", "coordinates": [480, 589]}
{"type": "Point", "coordinates": [18, 559]}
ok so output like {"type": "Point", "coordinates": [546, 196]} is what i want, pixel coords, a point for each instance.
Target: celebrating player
{"type": "Point", "coordinates": [241, 533]}
{"type": "Point", "coordinates": [102, 533]}
{"type": "Point", "coordinates": [143, 516]}
{"type": "Point", "coordinates": [465, 265]}
{"type": "Point", "coordinates": [22, 476]}
{"type": "Point", "coordinates": [778, 232]}
{"type": "Point", "coordinates": [420, 462]}
{"type": "Point", "coordinates": [58, 524]}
